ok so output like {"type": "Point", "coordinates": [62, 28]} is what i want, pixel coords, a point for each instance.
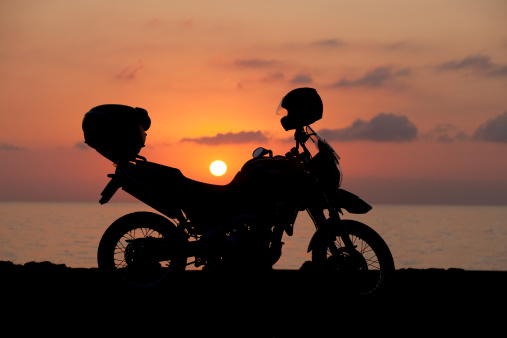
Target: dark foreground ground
{"type": "Point", "coordinates": [46, 298]}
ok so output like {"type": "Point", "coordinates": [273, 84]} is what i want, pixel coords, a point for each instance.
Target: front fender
{"type": "Point", "coordinates": [346, 200]}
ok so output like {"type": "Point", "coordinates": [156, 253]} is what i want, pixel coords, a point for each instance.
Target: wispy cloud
{"type": "Point", "coordinates": [499, 71]}
{"type": "Point", "coordinates": [82, 146]}
{"type": "Point", "coordinates": [384, 127]}
{"type": "Point", "coordinates": [271, 77]}
{"type": "Point", "coordinates": [11, 147]}
{"type": "Point", "coordinates": [376, 77]}
{"type": "Point", "coordinates": [328, 43]}
{"type": "Point", "coordinates": [396, 45]}
{"type": "Point", "coordinates": [130, 72]}
{"type": "Point", "coordinates": [302, 79]}
{"type": "Point", "coordinates": [477, 64]}
{"type": "Point", "coordinates": [445, 132]}
{"type": "Point", "coordinates": [494, 130]}
{"type": "Point", "coordinates": [254, 63]}
{"type": "Point", "coordinates": [228, 138]}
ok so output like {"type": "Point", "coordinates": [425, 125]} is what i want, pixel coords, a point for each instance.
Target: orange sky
{"type": "Point", "coordinates": [205, 68]}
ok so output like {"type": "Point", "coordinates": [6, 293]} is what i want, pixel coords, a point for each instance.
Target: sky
{"type": "Point", "coordinates": [414, 92]}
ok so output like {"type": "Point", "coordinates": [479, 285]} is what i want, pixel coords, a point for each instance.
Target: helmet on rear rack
{"type": "Point", "coordinates": [301, 107]}
{"type": "Point", "coordinates": [116, 131]}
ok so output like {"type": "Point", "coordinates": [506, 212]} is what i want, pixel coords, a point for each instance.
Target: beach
{"type": "Point", "coordinates": [45, 297]}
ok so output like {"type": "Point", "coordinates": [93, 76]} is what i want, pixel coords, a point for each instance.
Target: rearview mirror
{"type": "Point", "coordinates": [260, 152]}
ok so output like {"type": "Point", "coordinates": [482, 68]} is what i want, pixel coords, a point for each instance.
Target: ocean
{"type": "Point", "coordinates": [419, 236]}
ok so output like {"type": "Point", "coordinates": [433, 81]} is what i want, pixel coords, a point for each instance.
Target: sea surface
{"type": "Point", "coordinates": [419, 236]}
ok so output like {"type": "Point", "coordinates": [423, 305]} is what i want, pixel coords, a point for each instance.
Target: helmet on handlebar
{"type": "Point", "coordinates": [301, 107]}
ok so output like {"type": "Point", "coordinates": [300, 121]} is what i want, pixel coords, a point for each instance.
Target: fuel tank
{"type": "Point", "coordinates": [275, 178]}
{"type": "Point", "coordinates": [271, 168]}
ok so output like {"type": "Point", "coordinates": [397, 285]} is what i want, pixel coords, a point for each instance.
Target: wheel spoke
{"type": "Point", "coordinates": [363, 248]}
{"type": "Point", "coordinates": [370, 262]}
{"type": "Point", "coordinates": [123, 264]}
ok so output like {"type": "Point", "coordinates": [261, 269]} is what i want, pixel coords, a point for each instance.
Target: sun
{"type": "Point", "coordinates": [218, 168]}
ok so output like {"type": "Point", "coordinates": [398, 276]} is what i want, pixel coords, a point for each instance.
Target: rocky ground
{"type": "Point", "coordinates": [45, 298]}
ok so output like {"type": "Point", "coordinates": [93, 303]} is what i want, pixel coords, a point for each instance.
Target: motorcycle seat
{"type": "Point", "coordinates": [166, 180]}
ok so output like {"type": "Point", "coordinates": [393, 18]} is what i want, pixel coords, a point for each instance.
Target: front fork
{"type": "Point", "coordinates": [327, 230]}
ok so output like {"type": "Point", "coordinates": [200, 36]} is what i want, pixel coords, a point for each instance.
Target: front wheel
{"type": "Point", "coordinates": [134, 249]}
{"type": "Point", "coordinates": [370, 264]}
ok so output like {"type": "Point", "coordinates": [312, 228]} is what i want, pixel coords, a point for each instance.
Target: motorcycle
{"type": "Point", "coordinates": [238, 226]}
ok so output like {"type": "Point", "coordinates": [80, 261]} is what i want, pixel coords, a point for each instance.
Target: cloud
{"type": "Point", "coordinates": [494, 130]}
{"type": "Point", "coordinates": [11, 147]}
{"type": "Point", "coordinates": [478, 64]}
{"type": "Point", "coordinates": [397, 45]}
{"type": "Point", "coordinates": [376, 77]}
{"type": "Point", "coordinates": [302, 79]}
{"type": "Point", "coordinates": [131, 72]}
{"type": "Point", "coordinates": [229, 138]}
{"type": "Point", "coordinates": [329, 43]}
{"type": "Point", "coordinates": [445, 132]}
{"type": "Point", "coordinates": [254, 63]}
{"type": "Point", "coordinates": [273, 77]}
{"type": "Point", "coordinates": [82, 146]}
{"type": "Point", "coordinates": [384, 127]}
{"type": "Point", "coordinates": [498, 71]}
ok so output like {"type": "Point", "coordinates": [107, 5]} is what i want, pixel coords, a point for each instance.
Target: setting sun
{"type": "Point", "coordinates": [218, 168]}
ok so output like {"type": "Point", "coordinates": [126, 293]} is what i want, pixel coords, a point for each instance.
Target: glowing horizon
{"type": "Point", "coordinates": [411, 90]}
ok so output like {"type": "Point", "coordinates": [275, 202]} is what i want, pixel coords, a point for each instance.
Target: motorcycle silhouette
{"type": "Point", "coordinates": [238, 226]}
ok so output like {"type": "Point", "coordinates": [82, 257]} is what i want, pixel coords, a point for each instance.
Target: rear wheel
{"type": "Point", "coordinates": [134, 249]}
{"type": "Point", "coordinates": [368, 266]}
